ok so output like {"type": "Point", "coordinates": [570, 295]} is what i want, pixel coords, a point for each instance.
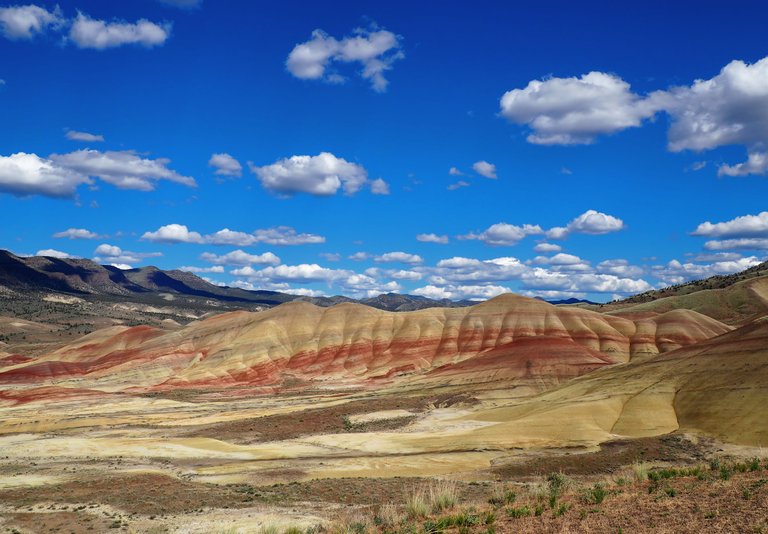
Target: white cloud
{"type": "Point", "coordinates": [457, 185]}
{"type": "Point", "coordinates": [453, 171]}
{"type": "Point", "coordinates": [240, 257]}
{"type": "Point", "coordinates": [98, 34]}
{"type": "Point", "coordinates": [321, 175]}
{"type": "Point", "coordinates": [359, 256]}
{"type": "Point", "coordinates": [676, 272]}
{"type": "Point", "coordinates": [433, 238]}
{"type": "Point", "coordinates": [123, 169]}
{"type": "Point", "coordinates": [285, 235]}
{"type": "Point", "coordinates": [23, 174]}
{"type": "Point", "coordinates": [460, 292]}
{"type": "Point", "coordinates": [173, 233]}
{"type": "Point", "coordinates": [718, 256]}
{"type": "Point", "coordinates": [547, 247]}
{"type": "Point", "coordinates": [757, 163]}
{"type": "Point", "coordinates": [379, 187]}
{"type": "Point", "coordinates": [539, 278]}
{"type": "Point", "coordinates": [85, 137]}
{"type": "Point", "coordinates": [620, 267]}
{"type": "Point", "coordinates": [215, 269]}
{"type": "Point", "coordinates": [25, 22]}
{"type": "Point", "coordinates": [399, 257]}
{"type": "Point", "coordinates": [567, 111]}
{"type": "Point", "coordinates": [483, 168]}
{"type": "Point", "coordinates": [503, 234]}
{"type": "Point", "coordinates": [746, 243]}
{"type": "Point", "coordinates": [744, 226]}
{"type": "Point", "coordinates": [53, 253]}
{"type": "Point", "coordinates": [730, 108]}
{"type": "Point", "coordinates": [590, 222]}
{"type": "Point", "coordinates": [77, 233]}
{"type": "Point", "coordinates": [123, 259]}
{"type": "Point", "coordinates": [403, 274]}
{"type": "Point", "coordinates": [375, 50]}
{"type": "Point", "coordinates": [558, 259]}
{"type": "Point", "coordinates": [303, 273]}
{"type": "Point", "coordinates": [225, 165]}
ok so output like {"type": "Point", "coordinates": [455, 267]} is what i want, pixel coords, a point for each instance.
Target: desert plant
{"type": "Point", "coordinates": [564, 507]}
{"type": "Point", "coordinates": [389, 515]}
{"type": "Point", "coordinates": [442, 494]}
{"type": "Point", "coordinates": [417, 505]}
{"type": "Point", "coordinates": [596, 494]}
{"type": "Point", "coordinates": [522, 511]}
{"type": "Point", "coordinates": [557, 484]}
{"type": "Point", "coordinates": [640, 471]}
{"type": "Point", "coordinates": [502, 495]}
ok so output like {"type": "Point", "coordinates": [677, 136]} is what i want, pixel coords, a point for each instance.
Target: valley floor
{"type": "Point", "coordinates": [228, 461]}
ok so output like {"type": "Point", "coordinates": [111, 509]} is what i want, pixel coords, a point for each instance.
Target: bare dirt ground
{"type": "Point", "coordinates": [334, 461]}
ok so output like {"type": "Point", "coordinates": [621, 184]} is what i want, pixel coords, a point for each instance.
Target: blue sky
{"type": "Point", "coordinates": [551, 150]}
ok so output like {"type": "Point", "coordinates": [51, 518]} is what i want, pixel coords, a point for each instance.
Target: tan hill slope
{"type": "Point", "coordinates": [742, 298]}
{"type": "Point", "coordinates": [509, 337]}
{"type": "Point", "coordinates": [717, 387]}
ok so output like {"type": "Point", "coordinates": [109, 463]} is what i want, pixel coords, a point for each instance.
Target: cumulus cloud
{"type": "Point", "coordinates": [547, 247]}
{"type": "Point", "coordinates": [483, 168]}
{"type": "Point", "coordinates": [190, 269]}
{"type": "Point", "coordinates": [77, 233]}
{"type": "Point", "coordinates": [123, 169]}
{"type": "Point", "coordinates": [744, 226]}
{"type": "Point", "coordinates": [460, 292]}
{"type": "Point", "coordinates": [620, 267]}
{"type": "Point", "coordinates": [99, 34]}
{"type": "Point", "coordinates": [399, 257]}
{"type": "Point", "coordinates": [433, 238]}
{"type": "Point", "coordinates": [23, 174]}
{"type": "Point", "coordinates": [53, 253]}
{"type": "Point", "coordinates": [225, 165]}
{"type": "Point", "coordinates": [731, 108]}
{"type": "Point", "coordinates": [285, 235]}
{"type": "Point", "coordinates": [25, 22]}
{"type": "Point", "coordinates": [539, 278]}
{"type": "Point", "coordinates": [453, 171]}
{"type": "Point", "coordinates": [173, 233]}
{"type": "Point", "coordinates": [303, 273]}
{"type": "Point", "coordinates": [379, 187]}
{"type": "Point", "coordinates": [558, 259]}
{"type": "Point", "coordinates": [112, 254]}
{"type": "Point", "coordinates": [240, 257]}
{"type": "Point", "coordinates": [503, 234]}
{"type": "Point", "coordinates": [330, 256]}
{"type": "Point", "coordinates": [590, 222]}
{"type": "Point", "coordinates": [746, 243]}
{"type": "Point", "coordinates": [568, 111]}
{"type": "Point", "coordinates": [321, 175]}
{"type": "Point", "coordinates": [359, 256]}
{"type": "Point", "coordinates": [85, 137]}
{"type": "Point", "coordinates": [374, 50]}
{"type": "Point", "coordinates": [676, 272]}
{"type": "Point", "coordinates": [279, 235]}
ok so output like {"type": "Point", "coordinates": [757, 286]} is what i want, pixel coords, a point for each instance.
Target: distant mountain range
{"type": "Point", "coordinates": [23, 276]}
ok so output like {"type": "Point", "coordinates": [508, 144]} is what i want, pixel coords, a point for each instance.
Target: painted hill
{"type": "Point", "coordinates": [352, 344]}
{"type": "Point", "coordinates": [714, 387]}
{"type": "Point", "coordinates": [736, 304]}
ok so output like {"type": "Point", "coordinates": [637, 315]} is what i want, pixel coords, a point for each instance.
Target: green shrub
{"type": "Point", "coordinates": [522, 511]}
{"type": "Point", "coordinates": [564, 507]}
{"type": "Point", "coordinates": [596, 494]}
